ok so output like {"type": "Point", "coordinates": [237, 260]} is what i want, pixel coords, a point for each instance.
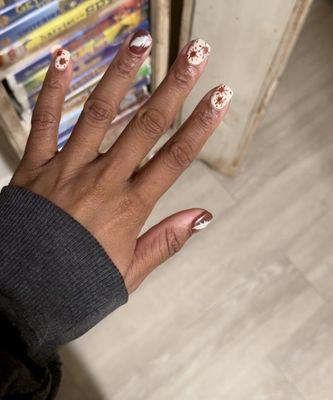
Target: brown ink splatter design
{"type": "Point", "coordinates": [198, 52]}
{"type": "Point", "coordinates": [62, 59]}
{"type": "Point", "coordinates": [221, 97]}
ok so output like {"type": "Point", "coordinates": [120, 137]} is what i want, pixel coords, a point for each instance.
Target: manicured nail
{"type": "Point", "coordinates": [221, 97]}
{"type": "Point", "coordinates": [140, 42]}
{"type": "Point", "coordinates": [198, 52]}
{"type": "Point", "coordinates": [61, 60]}
{"type": "Point", "coordinates": [202, 221]}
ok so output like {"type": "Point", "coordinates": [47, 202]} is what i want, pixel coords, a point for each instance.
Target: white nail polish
{"type": "Point", "coordinates": [198, 52]}
{"type": "Point", "coordinates": [202, 222]}
{"type": "Point", "coordinates": [62, 59]}
{"type": "Point", "coordinates": [140, 42]}
{"type": "Point", "coordinates": [221, 97]}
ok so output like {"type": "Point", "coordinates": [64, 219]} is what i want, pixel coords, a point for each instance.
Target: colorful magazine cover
{"type": "Point", "coordinates": [88, 10]}
{"type": "Point", "coordinates": [7, 3]}
{"type": "Point", "coordinates": [77, 81]}
{"type": "Point", "coordinates": [84, 57]}
{"type": "Point", "coordinates": [19, 9]}
{"type": "Point", "coordinates": [82, 38]}
{"type": "Point", "coordinates": [33, 19]}
{"type": "Point", "coordinates": [92, 30]}
{"type": "Point", "coordinates": [81, 92]}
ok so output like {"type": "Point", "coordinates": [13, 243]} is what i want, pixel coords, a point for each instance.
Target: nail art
{"type": "Point", "coordinates": [62, 59]}
{"type": "Point", "coordinates": [221, 97]}
{"type": "Point", "coordinates": [198, 52]}
{"type": "Point", "coordinates": [140, 42]}
{"type": "Point", "coordinates": [202, 222]}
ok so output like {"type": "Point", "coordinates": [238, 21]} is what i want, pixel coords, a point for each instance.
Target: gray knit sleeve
{"type": "Point", "coordinates": [56, 280]}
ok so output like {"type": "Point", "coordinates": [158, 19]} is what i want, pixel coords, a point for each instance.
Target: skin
{"type": "Point", "coordinates": [107, 193]}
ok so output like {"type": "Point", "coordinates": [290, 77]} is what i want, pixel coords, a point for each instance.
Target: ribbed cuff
{"type": "Point", "coordinates": [56, 280]}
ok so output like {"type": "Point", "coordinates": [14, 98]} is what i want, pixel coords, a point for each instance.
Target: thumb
{"type": "Point", "coordinates": [162, 241]}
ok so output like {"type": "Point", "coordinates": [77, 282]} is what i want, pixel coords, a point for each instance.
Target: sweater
{"type": "Point", "coordinates": [56, 282]}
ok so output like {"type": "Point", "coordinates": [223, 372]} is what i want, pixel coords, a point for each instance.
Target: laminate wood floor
{"type": "Point", "coordinates": [245, 310]}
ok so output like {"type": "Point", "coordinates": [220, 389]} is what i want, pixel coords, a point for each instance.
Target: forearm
{"type": "Point", "coordinates": [56, 283]}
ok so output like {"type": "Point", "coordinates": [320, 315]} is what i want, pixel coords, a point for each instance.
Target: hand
{"type": "Point", "coordinates": [107, 193]}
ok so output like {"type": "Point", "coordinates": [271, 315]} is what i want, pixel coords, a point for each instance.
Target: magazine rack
{"type": "Point", "coordinates": [11, 125]}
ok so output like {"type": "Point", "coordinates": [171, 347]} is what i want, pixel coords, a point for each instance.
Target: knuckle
{"type": "Point", "coordinates": [179, 155]}
{"type": "Point", "coordinates": [43, 120]}
{"type": "Point", "coordinates": [173, 241]}
{"type": "Point", "coordinates": [96, 191]}
{"type": "Point", "coordinates": [151, 123]}
{"type": "Point", "coordinates": [131, 206]}
{"type": "Point", "coordinates": [123, 66]}
{"type": "Point", "coordinates": [204, 120]}
{"type": "Point", "coordinates": [54, 84]}
{"type": "Point", "coordinates": [143, 197]}
{"type": "Point", "coordinates": [99, 112]}
{"type": "Point", "coordinates": [183, 77]}
{"type": "Point", "coordinates": [126, 206]}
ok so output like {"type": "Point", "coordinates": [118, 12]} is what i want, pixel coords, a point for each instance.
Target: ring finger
{"type": "Point", "coordinates": [176, 155]}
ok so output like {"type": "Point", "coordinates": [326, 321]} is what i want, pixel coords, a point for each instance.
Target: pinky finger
{"type": "Point", "coordinates": [162, 241]}
{"type": "Point", "coordinates": [42, 141]}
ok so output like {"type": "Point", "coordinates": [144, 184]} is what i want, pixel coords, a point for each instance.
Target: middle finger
{"type": "Point", "coordinates": [158, 113]}
{"type": "Point", "coordinates": [102, 105]}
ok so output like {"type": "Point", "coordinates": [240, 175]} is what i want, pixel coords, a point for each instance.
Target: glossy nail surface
{"type": "Point", "coordinates": [61, 60]}
{"type": "Point", "coordinates": [202, 221]}
{"type": "Point", "coordinates": [221, 97]}
{"type": "Point", "coordinates": [140, 42]}
{"type": "Point", "coordinates": [197, 52]}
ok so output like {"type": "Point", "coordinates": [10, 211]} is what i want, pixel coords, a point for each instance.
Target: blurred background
{"type": "Point", "coordinates": [244, 311]}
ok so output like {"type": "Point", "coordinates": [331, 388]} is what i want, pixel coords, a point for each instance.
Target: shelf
{"type": "Point", "coordinates": [15, 130]}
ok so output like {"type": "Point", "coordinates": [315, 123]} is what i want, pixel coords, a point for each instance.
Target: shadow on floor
{"type": "Point", "coordinates": [77, 383]}
{"type": "Point", "coordinates": [7, 153]}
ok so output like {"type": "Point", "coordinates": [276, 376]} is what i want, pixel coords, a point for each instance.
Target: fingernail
{"type": "Point", "coordinates": [197, 52]}
{"type": "Point", "coordinates": [202, 221]}
{"type": "Point", "coordinates": [140, 42]}
{"type": "Point", "coordinates": [221, 97]}
{"type": "Point", "coordinates": [61, 60]}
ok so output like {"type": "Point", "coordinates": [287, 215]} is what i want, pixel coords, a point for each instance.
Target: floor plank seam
{"type": "Point", "coordinates": [327, 302]}
{"type": "Point", "coordinates": [286, 378]}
